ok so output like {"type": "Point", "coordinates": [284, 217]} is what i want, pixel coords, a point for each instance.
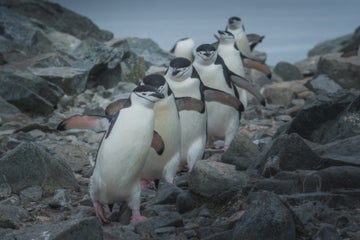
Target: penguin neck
{"type": "Point", "coordinates": [138, 100]}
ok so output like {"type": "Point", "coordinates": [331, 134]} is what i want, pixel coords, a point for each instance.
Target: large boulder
{"type": "Point", "coordinates": [287, 71]}
{"type": "Point", "coordinates": [265, 218]}
{"type": "Point", "coordinates": [31, 164]}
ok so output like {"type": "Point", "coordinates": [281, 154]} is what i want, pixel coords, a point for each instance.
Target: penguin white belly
{"type": "Point", "coordinates": [120, 159]}
{"type": "Point", "coordinates": [232, 60]}
{"type": "Point", "coordinates": [213, 76]}
{"type": "Point", "coordinates": [167, 124]}
{"type": "Point", "coordinates": [223, 121]}
{"type": "Point", "coordinates": [193, 136]}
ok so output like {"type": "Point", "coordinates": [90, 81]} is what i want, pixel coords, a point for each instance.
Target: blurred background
{"type": "Point", "coordinates": [291, 27]}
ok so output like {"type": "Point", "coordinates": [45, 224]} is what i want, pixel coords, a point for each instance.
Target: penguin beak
{"type": "Point", "coordinates": [157, 95]}
{"type": "Point", "coordinates": [220, 32]}
{"type": "Point", "coordinates": [175, 72]}
{"type": "Point", "coordinates": [208, 53]}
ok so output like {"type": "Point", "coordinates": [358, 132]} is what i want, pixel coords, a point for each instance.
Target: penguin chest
{"type": "Point", "coordinates": [213, 76]}
{"type": "Point", "coordinates": [233, 60]}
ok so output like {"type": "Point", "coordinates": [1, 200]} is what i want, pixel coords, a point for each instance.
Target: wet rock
{"type": "Point", "coordinates": [211, 179]}
{"type": "Point", "coordinates": [31, 164]}
{"type": "Point", "coordinates": [265, 218]}
{"type": "Point", "coordinates": [322, 84]}
{"type": "Point", "coordinates": [242, 152]}
{"type": "Point", "coordinates": [287, 71]}
{"type": "Point", "coordinates": [347, 70]}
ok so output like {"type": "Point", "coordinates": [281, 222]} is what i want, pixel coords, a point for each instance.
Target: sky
{"type": "Point", "coordinates": [291, 27]}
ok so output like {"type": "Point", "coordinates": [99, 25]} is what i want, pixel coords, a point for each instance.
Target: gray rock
{"type": "Point", "coordinates": [86, 228]}
{"type": "Point", "coordinates": [12, 216]}
{"type": "Point", "coordinates": [47, 14]}
{"type": "Point", "coordinates": [166, 194]}
{"type": "Point", "coordinates": [184, 202]}
{"type": "Point", "coordinates": [308, 66]}
{"type": "Point", "coordinates": [317, 121]}
{"type": "Point", "coordinates": [147, 228]}
{"type": "Point", "coordinates": [28, 92]}
{"type": "Point", "coordinates": [31, 194]}
{"type": "Point", "coordinates": [327, 232]}
{"type": "Point", "coordinates": [242, 152]}
{"type": "Point", "coordinates": [289, 153]}
{"type": "Point", "coordinates": [343, 177]}
{"type": "Point", "coordinates": [70, 80]}
{"type": "Point", "coordinates": [347, 70]}
{"type": "Point", "coordinates": [7, 108]}
{"type": "Point", "coordinates": [287, 71]}
{"type": "Point", "coordinates": [210, 179]}
{"type": "Point", "coordinates": [61, 199]}
{"type": "Point", "coordinates": [31, 164]}
{"type": "Point", "coordinates": [322, 84]}
{"type": "Point", "coordinates": [265, 218]}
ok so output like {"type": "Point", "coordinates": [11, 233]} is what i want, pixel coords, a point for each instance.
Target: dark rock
{"type": "Point", "coordinates": [47, 14]}
{"type": "Point", "coordinates": [319, 115]}
{"type": "Point", "coordinates": [287, 71]}
{"type": "Point", "coordinates": [347, 70]}
{"type": "Point", "coordinates": [70, 80]}
{"type": "Point", "coordinates": [211, 179]}
{"type": "Point", "coordinates": [87, 228]}
{"type": "Point", "coordinates": [12, 216]}
{"type": "Point", "coordinates": [29, 93]}
{"type": "Point", "coordinates": [184, 202]}
{"type": "Point", "coordinates": [242, 152]}
{"type": "Point", "coordinates": [327, 232]}
{"type": "Point", "coordinates": [344, 177]}
{"type": "Point", "coordinates": [265, 218]}
{"type": "Point", "coordinates": [289, 153]}
{"type": "Point", "coordinates": [322, 84]}
{"type": "Point", "coordinates": [7, 108]}
{"type": "Point", "coordinates": [31, 164]}
{"type": "Point", "coordinates": [225, 235]}
{"type": "Point", "coordinates": [166, 194]}
{"type": "Point", "coordinates": [147, 228]}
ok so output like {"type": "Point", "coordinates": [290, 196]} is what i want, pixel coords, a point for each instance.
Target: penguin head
{"type": "Point", "coordinates": [226, 36]}
{"type": "Point", "coordinates": [235, 23]}
{"type": "Point", "coordinates": [146, 94]}
{"type": "Point", "coordinates": [158, 82]}
{"type": "Point", "coordinates": [206, 54]}
{"type": "Point", "coordinates": [179, 69]}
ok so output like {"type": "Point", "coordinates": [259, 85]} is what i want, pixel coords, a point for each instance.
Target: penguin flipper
{"type": "Point", "coordinates": [254, 39]}
{"type": "Point", "coordinates": [116, 106]}
{"type": "Point", "coordinates": [190, 104]}
{"type": "Point", "coordinates": [212, 94]}
{"type": "Point", "coordinates": [251, 88]}
{"type": "Point", "coordinates": [250, 63]}
{"type": "Point", "coordinates": [92, 122]}
{"type": "Point", "coordinates": [158, 143]}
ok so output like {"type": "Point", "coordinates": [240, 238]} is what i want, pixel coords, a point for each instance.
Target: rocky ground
{"type": "Point", "coordinates": [293, 171]}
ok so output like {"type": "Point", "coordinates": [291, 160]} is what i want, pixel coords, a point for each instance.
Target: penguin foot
{"type": "Point", "coordinates": [225, 148]}
{"type": "Point", "coordinates": [99, 211]}
{"type": "Point", "coordinates": [145, 184]}
{"type": "Point", "coordinates": [136, 216]}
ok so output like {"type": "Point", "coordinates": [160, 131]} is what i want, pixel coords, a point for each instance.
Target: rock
{"type": "Point", "coordinates": [149, 227]}
{"type": "Point", "coordinates": [317, 121]}
{"type": "Point", "coordinates": [327, 232]}
{"type": "Point", "coordinates": [329, 46]}
{"type": "Point", "coordinates": [322, 84]}
{"type": "Point", "coordinates": [86, 228]}
{"type": "Point", "coordinates": [47, 14]}
{"type": "Point", "coordinates": [12, 216]}
{"type": "Point", "coordinates": [7, 108]}
{"type": "Point", "coordinates": [347, 70]}
{"type": "Point", "coordinates": [242, 152]}
{"type": "Point", "coordinates": [31, 194]}
{"type": "Point", "coordinates": [334, 178]}
{"type": "Point", "coordinates": [211, 179]}
{"type": "Point", "coordinates": [308, 66]}
{"type": "Point", "coordinates": [283, 93]}
{"type": "Point", "coordinates": [60, 199]}
{"type": "Point", "coordinates": [265, 218]}
{"type": "Point", "coordinates": [184, 202]}
{"type": "Point", "coordinates": [287, 71]}
{"type": "Point", "coordinates": [32, 93]}
{"type": "Point", "coordinates": [166, 194]}
{"type": "Point", "coordinates": [31, 164]}
{"type": "Point", "coordinates": [70, 80]}
{"type": "Point", "coordinates": [289, 153]}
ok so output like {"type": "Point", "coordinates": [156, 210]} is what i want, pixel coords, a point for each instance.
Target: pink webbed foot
{"type": "Point", "coordinates": [99, 211]}
{"type": "Point", "coordinates": [145, 184]}
{"type": "Point", "coordinates": [136, 216]}
{"type": "Point", "coordinates": [225, 148]}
